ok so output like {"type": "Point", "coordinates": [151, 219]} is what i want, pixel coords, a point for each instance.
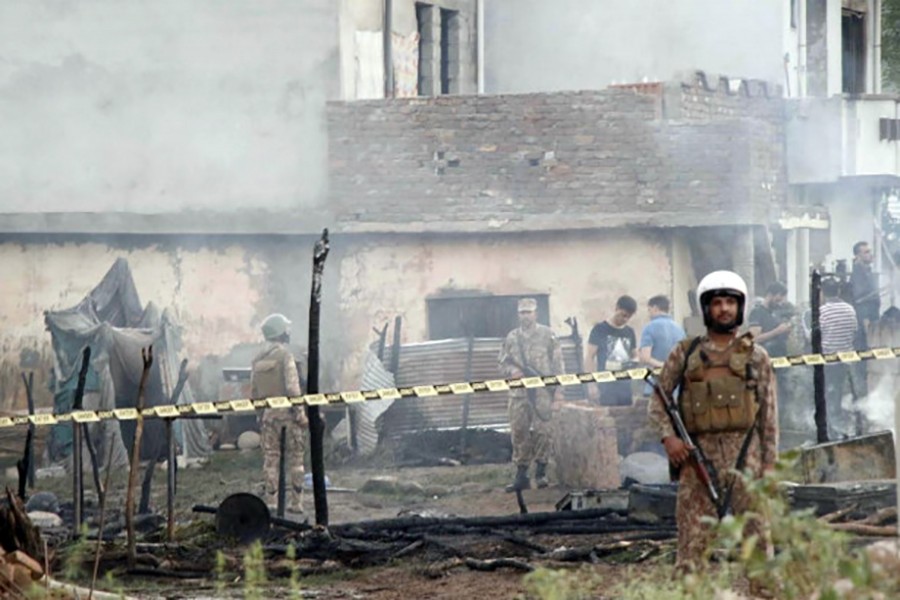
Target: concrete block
{"type": "Point", "coordinates": [585, 447]}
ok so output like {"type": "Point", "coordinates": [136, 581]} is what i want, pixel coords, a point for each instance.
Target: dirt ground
{"type": "Point", "coordinates": [443, 490]}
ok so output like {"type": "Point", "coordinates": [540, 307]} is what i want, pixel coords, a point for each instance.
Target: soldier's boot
{"type": "Point", "coordinates": [540, 475]}
{"type": "Point", "coordinates": [521, 482]}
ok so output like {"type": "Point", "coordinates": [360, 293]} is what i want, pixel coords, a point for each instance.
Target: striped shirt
{"type": "Point", "coordinates": [838, 322]}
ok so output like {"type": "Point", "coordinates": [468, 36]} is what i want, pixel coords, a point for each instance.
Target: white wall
{"type": "Point", "coordinates": [162, 106]}
{"type": "Point", "coordinates": [536, 45]}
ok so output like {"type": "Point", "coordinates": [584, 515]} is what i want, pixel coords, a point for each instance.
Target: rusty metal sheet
{"type": "Point", "coordinates": [444, 361]}
{"type": "Point", "coordinates": [860, 458]}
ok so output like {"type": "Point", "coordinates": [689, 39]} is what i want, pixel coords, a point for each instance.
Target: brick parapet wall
{"type": "Point", "coordinates": [667, 155]}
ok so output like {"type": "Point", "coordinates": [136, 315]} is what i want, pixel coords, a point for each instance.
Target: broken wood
{"type": "Point", "coordinates": [530, 519]}
{"type": "Point", "coordinates": [869, 530]}
{"type": "Point", "coordinates": [838, 514]}
{"type": "Point", "coordinates": [881, 516]}
{"type": "Point", "coordinates": [498, 563]}
{"type": "Point", "coordinates": [147, 357]}
{"type": "Point", "coordinates": [29, 397]}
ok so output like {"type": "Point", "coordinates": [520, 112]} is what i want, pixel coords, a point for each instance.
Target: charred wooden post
{"type": "Point", "coordinates": [171, 481]}
{"type": "Point", "coordinates": [821, 415]}
{"type": "Point", "coordinates": [29, 396]}
{"type": "Point", "coordinates": [147, 356]}
{"type": "Point", "coordinates": [395, 347]}
{"type": "Point", "coordinates": [172, 460]}
{"type": "Point", "coordinates": [77, 474]}
{"type": "Point", "coordinates": [282, 472]}
{"type": "Point", "coordinates": [382, 340]}
{"type": "Point", "coordinates": [23, 463]}
{"type": "Point", "coordinates": [467, 399]}
{"type": "Point", "coordinates": [92, 454]}
{"type": "Point", "coordinates": [316, 424]}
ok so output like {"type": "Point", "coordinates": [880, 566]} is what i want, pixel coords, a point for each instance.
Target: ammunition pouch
{"type": "Point", "coordinates": [720, 398]}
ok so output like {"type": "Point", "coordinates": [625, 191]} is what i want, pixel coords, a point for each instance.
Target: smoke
{"type": "Point", "coordinates": [159, 107]}
{"type": "Point", "coordinates": [534, 45]}
{"type": "Point", "coordinates": [878, 406]}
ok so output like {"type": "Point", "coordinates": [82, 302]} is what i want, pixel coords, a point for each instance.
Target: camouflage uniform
{"type": "Point", "coordinates": [529, 422]}
{"type": "Point", "coordinates": [721, 448]}
{"type": "Point", "coordinates": [275, 374]}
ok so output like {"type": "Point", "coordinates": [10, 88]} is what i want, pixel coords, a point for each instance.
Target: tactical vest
{"type": "Point", "coordinates": [268, 373]}
{"type": "Point", "coordinates": [719, 393]}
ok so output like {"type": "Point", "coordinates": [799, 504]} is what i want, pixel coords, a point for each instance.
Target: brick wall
{"type": "Point", "coordinates": [654, 155]}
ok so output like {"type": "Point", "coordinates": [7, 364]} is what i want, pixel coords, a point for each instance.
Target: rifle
{"type": "Point", "coordinates": [528, 371]}
{"type": "Point", "coordinates": [705, 470]}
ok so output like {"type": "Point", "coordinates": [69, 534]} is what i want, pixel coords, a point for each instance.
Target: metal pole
{"type": "Point", "coordinates": [316, 424]}
{"type": "Point", "coordinates": [821, 415]}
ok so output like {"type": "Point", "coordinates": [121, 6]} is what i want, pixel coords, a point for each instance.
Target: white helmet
{"type": "Point", "coordinates": [722, 283]}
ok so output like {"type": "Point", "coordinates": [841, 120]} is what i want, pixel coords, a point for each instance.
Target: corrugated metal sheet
{"type": "Point", "coordinates": [445, 361]}
{"type": "Point", "coordinates": [375, 376]}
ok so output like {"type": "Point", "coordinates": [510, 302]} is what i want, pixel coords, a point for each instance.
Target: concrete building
{"type": "Point", "coordinates": [190, 138]}
{"type": "Point", "coordinates": [842, 142]}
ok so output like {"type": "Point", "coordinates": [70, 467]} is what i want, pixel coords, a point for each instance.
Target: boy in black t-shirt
{"type": "Point", "coordinates": [611, 346]}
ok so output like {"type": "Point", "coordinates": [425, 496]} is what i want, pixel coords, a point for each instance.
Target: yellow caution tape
{"type": "Point", "coordinates": [169, 411]}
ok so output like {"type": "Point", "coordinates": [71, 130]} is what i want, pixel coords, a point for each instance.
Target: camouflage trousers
{"type": "Point", "coordinates": [530, 427]}
{"type": "Point", "coordinates": [693, 503]}
{"type": "Point", "coordinates": [270, 438]}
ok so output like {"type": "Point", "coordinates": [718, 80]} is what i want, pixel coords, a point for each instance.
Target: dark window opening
{"type": "Point", "coordinates": [793, 14]}
{"type": "Point", "coordinates": [424, 20]}
{"type": "Point", "coordinates": [853, 55]}
{"type": "Point", "coordinates": [479, 315]}
{"type": "Point", "coordinates": [449, 51]}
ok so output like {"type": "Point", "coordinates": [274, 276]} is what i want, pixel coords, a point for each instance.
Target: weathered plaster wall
{"type": "Point", "coordinates": [583, 272]}
{"type": "Point", "coordinates": [154, 107]}
{"type": "Point", "coordinates": [220, 289]}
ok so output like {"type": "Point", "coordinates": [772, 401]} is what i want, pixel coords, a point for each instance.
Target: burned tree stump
{"type": "Point", "coordinates": [585, 447]}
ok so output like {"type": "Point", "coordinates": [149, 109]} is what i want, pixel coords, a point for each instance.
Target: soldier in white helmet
{"type": "Point", "coordinates": [727, 394]}
{"type": "Point", "coordinates": [275, 374]}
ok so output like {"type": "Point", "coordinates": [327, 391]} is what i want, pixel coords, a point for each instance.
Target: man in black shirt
{"type": "Point", "coordinates": [768, 323]}
{"type": "Point", "coordinates": [612, 345]}
{"type": "Point", "coordinates": [864, 283]}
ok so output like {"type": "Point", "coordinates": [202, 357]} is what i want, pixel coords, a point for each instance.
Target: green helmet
{"type": "Point", "coordinates": [275, 326]}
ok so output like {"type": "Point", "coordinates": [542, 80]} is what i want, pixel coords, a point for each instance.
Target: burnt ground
{"type": "Point", "coordinates": [412, 565]}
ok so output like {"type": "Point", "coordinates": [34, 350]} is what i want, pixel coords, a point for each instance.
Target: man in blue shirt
{"type": "Point", "coordinates": [659, 336]}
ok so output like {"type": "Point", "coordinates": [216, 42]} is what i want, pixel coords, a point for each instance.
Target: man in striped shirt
{"type": "Point", "coordinates": [839, 326]}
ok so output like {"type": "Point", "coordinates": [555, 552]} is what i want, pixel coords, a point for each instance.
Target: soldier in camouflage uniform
{"type": "Point", "coordinates": [728, 388]}
{"type": "Point", "coordinates": [275, 374]}
{"type": "Point", "coordinates": [530, 349]}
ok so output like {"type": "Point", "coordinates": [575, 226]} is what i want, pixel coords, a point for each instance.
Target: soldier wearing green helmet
{"type": "Point", "coordinates": [275, 374]}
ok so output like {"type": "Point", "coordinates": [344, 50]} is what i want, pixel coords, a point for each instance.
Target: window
{"type": "Point", "coordinates": [425, 20]}
{"type": "Point", "coordinates": [479, 314]}
{"type": "Point", "coordinates": [853, 55]}
{"type": "Point", "coordinates": [449, 51]}
{"type": "Point", "coordinates": [793, 14]}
